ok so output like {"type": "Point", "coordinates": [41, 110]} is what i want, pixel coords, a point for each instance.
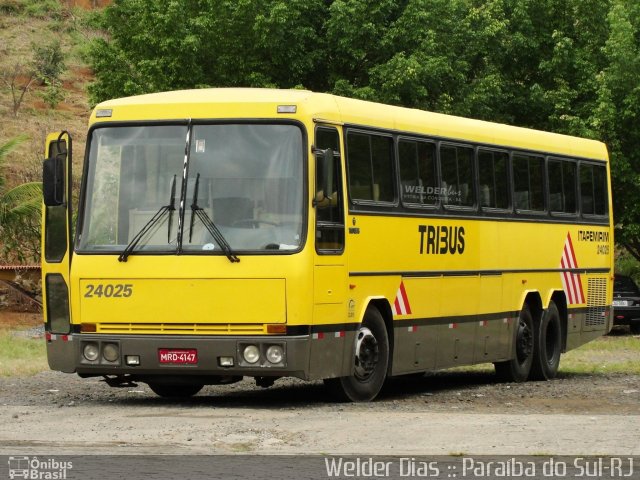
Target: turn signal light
{"type": "Point", "coordinates": [280, 329]}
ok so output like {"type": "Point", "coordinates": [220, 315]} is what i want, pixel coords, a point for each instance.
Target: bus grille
{"type": "Point", "coordinates": [596, 302]}
{"type": "Point", "coordinates": [181, 328]}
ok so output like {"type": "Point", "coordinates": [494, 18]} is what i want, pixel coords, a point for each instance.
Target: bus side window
{"type": "Point", "coordinates": [528, 182]}
{"type": "Point", "coordinates": [456, 164]}
{"type": "Point", "coordinates": [494, 179]}
{"type": "Point", "coordinates": [418, 175]}
{"type": "Point", "coordinates": [593, 189]}
{"type": "Point", "coordinates": [562, 180]}
{"type": "Point", "coordinates": [329, 205]}
{"type": "Point", "coordinates": [370, 159]}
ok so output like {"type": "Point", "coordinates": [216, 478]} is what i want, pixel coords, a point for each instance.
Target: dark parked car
{"type": "Point", "coordinates": [626, 303]}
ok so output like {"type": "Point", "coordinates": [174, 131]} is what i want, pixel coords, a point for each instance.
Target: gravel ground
{"type": "Point", "coordinates": [441, 414]}
{"type": "Point", "coordinates": [464, 391]}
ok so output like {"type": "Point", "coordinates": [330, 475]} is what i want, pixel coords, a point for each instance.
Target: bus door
{"type": "Point", "coordinates": [57, 250]}
{"type": "Point", "coordinates": [330, 277]}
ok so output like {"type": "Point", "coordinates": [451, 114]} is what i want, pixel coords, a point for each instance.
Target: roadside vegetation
{"type": "Point", "coordinates": [19, 212]}
{"type": "Point", "coordinates": [627, 265]}
{"type": "Point", "coordinates": [617, 352]}
{"type": "Point", "coordinates": [43, 81]}
{"type": "Point", "coordinates": [614, 353]}
{"type": "Point", "coordinates": [21, 355]}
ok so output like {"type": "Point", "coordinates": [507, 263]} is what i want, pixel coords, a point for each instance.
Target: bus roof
{"type": "Point", "coordinates": [240, 103]}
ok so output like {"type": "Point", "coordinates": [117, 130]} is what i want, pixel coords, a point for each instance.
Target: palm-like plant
{"type": "Point", "coordinates": [20, 201]}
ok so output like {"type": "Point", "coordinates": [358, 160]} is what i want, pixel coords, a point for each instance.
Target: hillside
{"type": "Point", "coordinates": [24, 25]}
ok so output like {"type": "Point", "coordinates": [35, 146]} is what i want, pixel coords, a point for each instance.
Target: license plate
{"type": "Point", "coordinates": [621, 303]}
{"type": "Point", "coordinates": [178, 356]}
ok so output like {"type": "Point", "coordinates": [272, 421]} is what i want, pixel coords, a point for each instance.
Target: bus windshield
{"type": "Point", "coordinates": [246, 179]}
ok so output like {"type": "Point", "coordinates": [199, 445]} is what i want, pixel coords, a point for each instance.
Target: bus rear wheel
{"type": "Point", "coordinates": [168, 390]}
{"type": "Point", "coordinates": [547, 345]}
{"type": "Point", "coordinates": [518, 368]}
{"type": "Point", "coordinates": [371, 359]}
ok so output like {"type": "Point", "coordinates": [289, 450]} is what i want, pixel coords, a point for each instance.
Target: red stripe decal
{"type": "Point", "coordinates": [405, 299]}
{"type": "Point", "coordinates": [401, 303]}
{"type": "Point", "coordinates": [571, 282]}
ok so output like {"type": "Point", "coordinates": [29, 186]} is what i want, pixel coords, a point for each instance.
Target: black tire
{"type": "Point", "coordinates": [635, 328]}
{"type": "Point", "coordinates": [168, 390]}
{"type": "Point", "coordinates": [371, 360]}
{"type": "Point", "coordinates": [518, 368]}
{"type": "Point", "coordinates": [547, 346]}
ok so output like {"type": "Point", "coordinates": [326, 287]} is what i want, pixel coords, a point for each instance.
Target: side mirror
{"type": "Point", "coordinates": [325, 170]}
{"type": "Point", "coordinates": [53, 169]}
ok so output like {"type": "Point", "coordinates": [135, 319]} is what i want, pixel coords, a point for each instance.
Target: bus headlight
{"type": "Point", "coordinates": [251, 354]}
{"type": "Point", "coordinates": [110, 352]}
{"type": "Point", "coordinates": [91, 352]}
{"type": "Point", "coordinates": [275, 354]}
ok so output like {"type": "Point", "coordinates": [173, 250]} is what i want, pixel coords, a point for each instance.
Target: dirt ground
{"type": "Point", "coordinates": [19, 320]}
{"type": "Point", "coordinates": [442, 413]}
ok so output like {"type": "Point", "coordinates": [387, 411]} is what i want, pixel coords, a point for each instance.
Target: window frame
{"type": "Point", "coordinates": [394, 173]}
{"type": "Point", "coordinates": [594, 216]}
{"type": "Point", "coordinates": [83, 201]}
{"type": "Point", "coordinates": [412, 205]}
{"type": "Point", "coordinates": [340, 191]}
{"type": "Point", "coordinates": [510, 204]}
{"type": "Point", "coordinates": [528, 211]}
{"type": "Point", "coordinates": [401, 208]}
{"type": "Point", "coordinates": [474, 176]}
{"type": "Point", "coordinates": [562, 161]}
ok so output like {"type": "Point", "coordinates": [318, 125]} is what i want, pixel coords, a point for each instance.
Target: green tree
{"type": "Point", "coordinates": [19, 213]}
{"type": "Point", "coordinates": [568, 66]}
{"type": "Point", "coordinates": [157, 45]}
{"type": "Point", "coordinates": [48, 61]}
{"type": "Point", "coordinates": [617, 115]}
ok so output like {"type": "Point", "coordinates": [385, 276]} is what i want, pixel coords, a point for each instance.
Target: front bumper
{"type": "Point", "coordinates": [65, 353]}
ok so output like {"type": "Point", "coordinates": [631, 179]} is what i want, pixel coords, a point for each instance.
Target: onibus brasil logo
{"type": "Point", "coordinates": [35, 468]}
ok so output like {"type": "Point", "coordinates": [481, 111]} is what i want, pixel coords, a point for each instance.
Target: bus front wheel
{"type": "Point", "coordinates": [547, 345]}
{"type": "Point", "coordinates": [370, 361]}
{"type": "Point", "coordinates": [518, 368]}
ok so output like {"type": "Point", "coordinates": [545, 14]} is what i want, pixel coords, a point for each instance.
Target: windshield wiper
{"type": "Point", "coordinates": [151, 223]}
{"type": "Point", "coordinates": [209, 225]}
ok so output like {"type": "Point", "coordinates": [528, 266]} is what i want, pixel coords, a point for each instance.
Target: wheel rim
{"type": "Point", "coordinates": [366, 355]}
{"type": "Point", "coordinates": [524, 343]}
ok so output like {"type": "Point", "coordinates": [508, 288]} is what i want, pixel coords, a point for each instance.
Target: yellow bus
{"type": "Point", "coordinates": [230, 233]}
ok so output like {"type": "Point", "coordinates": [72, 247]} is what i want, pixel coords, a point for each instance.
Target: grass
{"type": "Point", "coordinates": [24, 23]}
{"type": "Point", "coordinates": [610, 354]}
{"type": "Point", "coordinates": [21, 356]}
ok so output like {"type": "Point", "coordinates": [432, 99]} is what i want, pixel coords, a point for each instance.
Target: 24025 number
{"type": "Point", "coordinates": [100, 290]}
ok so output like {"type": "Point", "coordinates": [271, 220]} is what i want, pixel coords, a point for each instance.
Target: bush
{"type": "Point", "coordinates": [53, 94]}
{"type": "Point", "coordinates": [44, 9]}
{"type": "Point", "coordinates": [627, 265]}
{"type": "Point", "coordinates": [11, 7]}
{"type": "Point", "coordinates": [48, 62]}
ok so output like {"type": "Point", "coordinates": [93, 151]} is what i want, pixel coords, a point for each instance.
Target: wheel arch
{"type": "Point", "coordinates": [560, 299]}
{"type": "Point", "coordinates": [383, 306]}
{"type": "Point", "coordinates": [534, 301]}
